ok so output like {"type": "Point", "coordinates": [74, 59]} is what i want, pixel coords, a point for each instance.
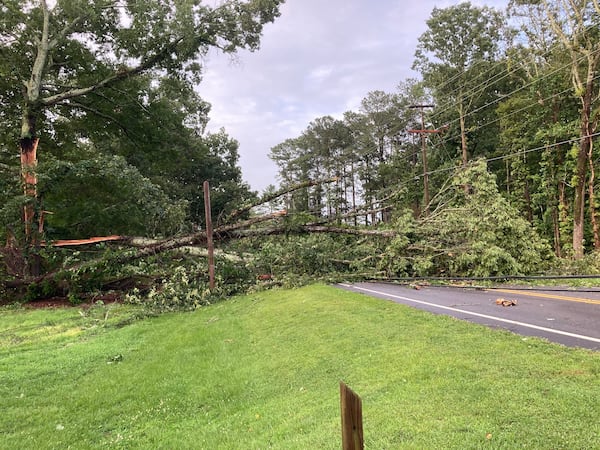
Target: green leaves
{"type": "Point", "coordinates": [119, 80]}
{"type": "Point", "coordinates": [104, 195]}
{"type": "Point", "coordinates": [475, 232]}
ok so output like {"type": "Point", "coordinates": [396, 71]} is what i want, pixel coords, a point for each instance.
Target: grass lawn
{"type": "Point", "coordinates": [263, 371]}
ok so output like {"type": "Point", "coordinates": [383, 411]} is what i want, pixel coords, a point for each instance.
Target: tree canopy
{"type": "Point", "coordinates": [516, 88]}
{"type": "Point", "coordinates": [471, 169]}
{"type": "Point", "coordinates": [95, 79]}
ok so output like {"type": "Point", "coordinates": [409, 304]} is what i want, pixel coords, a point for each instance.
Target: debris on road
{"type": "Point", "coordinates": [505, 302]}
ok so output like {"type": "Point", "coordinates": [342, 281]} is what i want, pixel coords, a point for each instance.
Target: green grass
{"type": "Point", "coordinates": [263, 371]}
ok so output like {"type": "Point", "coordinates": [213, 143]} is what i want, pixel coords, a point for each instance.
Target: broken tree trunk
{"type": "Point", "coordinates": [31, 210]}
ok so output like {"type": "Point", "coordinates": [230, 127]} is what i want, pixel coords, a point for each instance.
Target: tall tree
{"type": "Point", "coordinates": [453, 54]}
{"type": "Point", "coordinates": [538, 115]}
{"type": "Point", "coordinates": [75, 48]}
{"type": "Point", "coordinates": [574, 26]}
{"type": "Point", "coordinates": [327, 140]}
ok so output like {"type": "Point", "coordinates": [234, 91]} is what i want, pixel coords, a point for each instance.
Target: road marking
{"type": "Point", "coordinates": [483, 316]}
{"type": "Point", "coordinates": [552, 296]}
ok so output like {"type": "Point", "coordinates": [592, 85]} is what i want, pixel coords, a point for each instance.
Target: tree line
{"type": "Point", "coordinates": [483, 166]}
{"type": "Point", "coordinates": [516, 88]}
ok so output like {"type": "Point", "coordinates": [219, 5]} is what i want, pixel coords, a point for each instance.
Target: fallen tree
{"type": "Point", "coordinates": [129, 249]}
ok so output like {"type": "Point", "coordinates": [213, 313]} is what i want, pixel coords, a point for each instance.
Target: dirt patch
{"type": "Point", "coordinates": [63, 302]}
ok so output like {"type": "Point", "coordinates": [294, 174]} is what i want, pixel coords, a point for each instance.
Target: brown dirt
{"type": "Point", "coordinates": [63, 302]}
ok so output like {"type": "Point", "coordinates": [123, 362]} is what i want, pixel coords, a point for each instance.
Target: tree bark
{"type": "Point", "coordinates": [146, 248]}
{"type": "Point", "coordinates": [581, 171]}
{"type": "Point", "coordinates": [592, 199]}
{"type": "Point", "coordinates": [527, 198]}
{"type": "Point", "coordinates": [579, 203]}
{"type": "Point", "coordinates": [28, 144]}
{"type": "Point", "coordinates": [563, 208]}
{"type": "Point", "coordinates": [568, 21]}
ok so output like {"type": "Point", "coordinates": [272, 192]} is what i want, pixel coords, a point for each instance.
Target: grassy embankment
{"type": "Point", "coordinates": [262, 371]}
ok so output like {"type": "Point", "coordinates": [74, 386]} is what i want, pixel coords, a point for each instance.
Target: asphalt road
{"type": "Point", "coordinates": [570, 318]}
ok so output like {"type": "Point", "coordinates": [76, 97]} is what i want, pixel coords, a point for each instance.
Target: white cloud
{"type": "Point", "coordinates": [320, 73]}
{"type": "Point", "coordinates": [321, 57]}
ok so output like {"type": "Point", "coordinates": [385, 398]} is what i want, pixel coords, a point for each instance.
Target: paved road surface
{"type": "Point", "coordinates": [570, 318]}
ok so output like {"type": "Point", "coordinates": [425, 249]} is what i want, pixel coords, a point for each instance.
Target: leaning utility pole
{"type": "Point", "coordinates": [423, 132]}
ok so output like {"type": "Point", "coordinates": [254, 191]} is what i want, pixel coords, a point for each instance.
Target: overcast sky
{"type": "Point", "coordinates": [321, 57]}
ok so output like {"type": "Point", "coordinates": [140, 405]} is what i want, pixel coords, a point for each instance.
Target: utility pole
{"type": "Point", "coordinates": [209, 236]}
{"type": "Point", "coordinates": [423, 132]}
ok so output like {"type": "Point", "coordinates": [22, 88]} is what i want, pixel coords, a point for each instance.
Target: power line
{"type": "Point", "coordinates": [520, 153]}
{"type": "Point", "coordinates": [512, 113]}
{"type": "Point", "coordinates": [487, 83]}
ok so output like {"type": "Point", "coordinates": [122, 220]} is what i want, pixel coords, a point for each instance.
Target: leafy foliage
{"type": "Point", "coordinates": [473, 232]}
{"type": "Point", "coordinates": [111, 197]}
{"type": "Point", "coordinates": [181, 291]}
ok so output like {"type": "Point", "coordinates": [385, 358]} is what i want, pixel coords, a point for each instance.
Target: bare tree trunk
{"type": "Point", "coordinates": [527, 197]}
{"type": "Point", "coordinates": [579, 202]}
{"type": "Point", "coordinates": [557, 192]}
{"type": "Point", "coordinates": [28, 144]}
{"type": "Point", "coordinates": [29, 179]}
{"type": "Point", "coordinates": [592, 199]}
{"type": "Point", "coordinates": [568, 21]}
{"type": "Point", "coordinates": [563, 207]}
{"type": "Point", "coordinates": [556, 230]}
{"type": "Point", "coordinates": [32, 219]}
{"type": "Point", "coordinates": [507, 165]}
{"type": "Point", "coordinates": [581, 171]}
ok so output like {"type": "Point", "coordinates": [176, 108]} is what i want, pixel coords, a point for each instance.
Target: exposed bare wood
{"type": "Point", "coordinates": [120, 75]}
{"type": "Point", "coordinates": [310, 228]}
{"type": "Point", "coordinates": [92, 240]}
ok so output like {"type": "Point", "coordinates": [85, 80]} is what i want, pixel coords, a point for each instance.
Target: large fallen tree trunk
{"type": "Point", "coordinates": [305, 229]}
{"type": "Point", "coordinates": [144, 247]}
{"type": "Point", "coordinates": [141, 247]}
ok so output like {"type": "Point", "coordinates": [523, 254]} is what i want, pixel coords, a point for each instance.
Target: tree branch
{"type": "Point", "coordinates": [63, 33]}
{"type": "Point", "coordinates": [7, 168]}
{"type": "Point", "coordinates": [98, 113]}
{"type": "Point", "coordinates": [309, 228]}
{"type": "Point", "coordinates": [280, 193]}
{"type": "Point", "coordinates": [117, 76]}
{"type": "Point", "coordinates": [35, 80]}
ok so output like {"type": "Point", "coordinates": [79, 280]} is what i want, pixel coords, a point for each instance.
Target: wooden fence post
{"type": "Point", "coordinates": [352, 428]}
{"type": "Point", "coordinates": [209, 236]}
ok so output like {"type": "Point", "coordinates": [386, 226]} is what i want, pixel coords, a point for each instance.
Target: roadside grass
{"type": "Point", "coordinates": [263, 370]}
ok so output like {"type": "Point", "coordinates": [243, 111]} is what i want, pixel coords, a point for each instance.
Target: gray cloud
{"type": "Point", "coordinates": [321, 57]}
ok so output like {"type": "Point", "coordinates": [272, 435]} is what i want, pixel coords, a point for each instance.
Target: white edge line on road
{"type": "Point", "coordinates": [483, 316]}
